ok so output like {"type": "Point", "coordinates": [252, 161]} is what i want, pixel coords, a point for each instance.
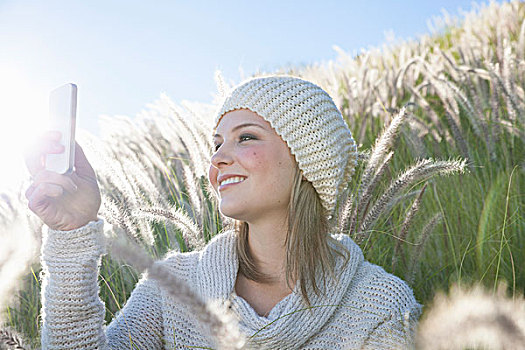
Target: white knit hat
{"type": "Point", "coordinates": [308, 120]}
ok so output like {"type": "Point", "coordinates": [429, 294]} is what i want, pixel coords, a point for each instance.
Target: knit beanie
{"type": "Point", "coordinates": [308, 120]}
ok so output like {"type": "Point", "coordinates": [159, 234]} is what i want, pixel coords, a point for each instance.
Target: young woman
{"type": "Point", "coordinates": [283, 154]}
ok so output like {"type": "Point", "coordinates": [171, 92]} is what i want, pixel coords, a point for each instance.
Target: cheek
{"type": "Point", "coordinates": [286, 170]}
{"type": "Point", "coordinates": [253, 159]}
{"type": "Point", "coordinates": [212, 176]}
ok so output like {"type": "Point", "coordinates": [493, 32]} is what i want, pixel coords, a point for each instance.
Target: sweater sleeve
{"type": "Point", "coordinates": [72, 312]}
{"type": "Point", "coordinates": [395, 333]}
{"type": "Point", "coordinates": [397, 329]}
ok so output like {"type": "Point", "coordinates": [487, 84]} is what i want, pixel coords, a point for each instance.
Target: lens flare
{"type": "Point", "coordinates": [23, 112]}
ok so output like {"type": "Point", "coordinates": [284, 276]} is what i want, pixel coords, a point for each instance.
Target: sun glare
{"type": "Point", "coordinates": [23, 112]}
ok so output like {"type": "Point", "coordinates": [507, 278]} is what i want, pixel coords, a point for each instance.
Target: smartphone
{"type": "Point", "coordinates": [62, 117]}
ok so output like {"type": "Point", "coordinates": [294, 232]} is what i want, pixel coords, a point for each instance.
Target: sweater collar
{"type": "Point", "coordinates": [290, 323]}
{"type": "Point", "coordinates": [218, 265]}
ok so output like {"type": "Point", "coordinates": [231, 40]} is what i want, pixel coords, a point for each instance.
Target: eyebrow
{"type": "Point", "coordinates": [242, 126]}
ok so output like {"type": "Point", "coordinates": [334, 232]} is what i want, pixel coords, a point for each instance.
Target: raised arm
{"type": "Point", "coordinates": [73, 314]}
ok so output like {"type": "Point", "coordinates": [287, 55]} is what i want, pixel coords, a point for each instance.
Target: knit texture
{"type": "Point", "coordinates": [308, 120]}
{"type": "Point", "coordinates": [368, 308]}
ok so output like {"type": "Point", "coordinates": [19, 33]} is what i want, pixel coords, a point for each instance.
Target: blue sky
{"type": "Point", "coordinates": [124, 54]}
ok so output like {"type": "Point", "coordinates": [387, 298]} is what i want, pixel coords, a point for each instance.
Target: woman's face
{"type": "Point", "coordinates": [249, 153]}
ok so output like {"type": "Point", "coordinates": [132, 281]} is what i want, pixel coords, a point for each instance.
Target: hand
{"type": "Point", "coordinates": [63, 201]}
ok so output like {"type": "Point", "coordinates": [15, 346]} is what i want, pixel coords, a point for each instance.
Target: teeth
{"type": "Point", "coordinates": [231, 180]}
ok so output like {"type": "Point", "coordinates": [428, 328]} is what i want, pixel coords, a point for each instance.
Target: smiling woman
{"type": "Point", "coordinates": [283, 152]}
{"type": "Point", "coordinates": [22, 117]}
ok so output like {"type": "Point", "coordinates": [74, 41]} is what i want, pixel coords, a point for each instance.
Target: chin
{"type": "Point", "coordinates": [233, 211]}
{"type": "Point", "coordinates": [229, 211]}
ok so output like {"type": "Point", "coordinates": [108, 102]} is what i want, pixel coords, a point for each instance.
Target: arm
{"type": "Point", "coordinates": [397, 332]}
{"type": "Point", "coordinates": [139, 324]}
{"type": "Point", "coordinates": [72, 312]}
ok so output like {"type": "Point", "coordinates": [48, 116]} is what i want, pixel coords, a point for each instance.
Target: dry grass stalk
{"type": "Point", "coordinates": [190, 231]}
{"type": "Point", "coordinates": [420, 244]}
{"type": "Point", "coordinates": [439, 132]}
{"type": "Point", "coordinates": [194, 195]}
{"type": "Point", "coordinates": [115, 215]}
{"type": "Point", "coordinates": [11, 340]}
{"type": "Point", "coordinates": [363, 156]}
{"type": "Point", "coordinates": [402, 197]}
{"type": "Point", "coordinates": [212, 317]}
{"type": "Point", "coordinates": [474, 117]}
{"type": "Point", "coordinates": [379, 151]}
{"type": "Point", "coordinates": [512, 129]}
{"type": "Point", "coordinates": [202, 117]}
{"type": "Point", "coordinates": [471, 319]}
{"type": "Point", "coordinates": [345, 213]}
{"type": "Point", "coordinates": [451, 111]}
{"type": "Point", "coordinates": [20, 239]}
{"type": "Point", "coordinates": [366, 193]}
{"type": "Point", "coordinates": [521, 42]}
{"type": "Point", "coordinates": [400, 238]}
{"type": "Point", "coordinates": [458, 137]}
{"type": "Point", "coordinates": [476, 89]}
{"type": "Point", "coordinates": [197, 147]}
{"type": "Point", "coordinates": [143, 184]}
{"type": "Point", "coordinates": [474, 114]}
{"type": "Point", "coordinates": [177, 125]}
{"type": "Point", "coordinates": [512, 105]}
{"type": "Point", "coordinates": [421, 171]}
{"type": "Point", "coordinates": [364, 202]}
{"type": "Point", "coordinates": [507, 66]}
{"type": "Point", "coordinates": [495, 115]}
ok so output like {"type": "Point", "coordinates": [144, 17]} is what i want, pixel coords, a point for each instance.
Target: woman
{"type": "Point", "coordinates": [282, 155]}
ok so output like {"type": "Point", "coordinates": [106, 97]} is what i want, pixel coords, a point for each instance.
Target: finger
{"type": "Point", "coordinates": [46, 176]}
{"type": "Point", "coordinates": [30, 191]}
{"type": "Point", "coordinates": [44, 138]}
{"type": "Point", "coordinates": [34, 154]}
{"type": "Point", "coordinates": [42, 193]}
{"type": "Point", "coordinates": [34, 163]}
{"type": "Point", "coordinates": [53, 135]}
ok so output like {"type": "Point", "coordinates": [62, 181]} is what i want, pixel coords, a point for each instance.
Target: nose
{"type": "Point", "coordinates": [221, 157]}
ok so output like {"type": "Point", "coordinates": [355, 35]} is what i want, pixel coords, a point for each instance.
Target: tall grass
{"type": "Point", "coordinates": [467, 82]}
{"type": "Point", "coordinates": [447, 102]}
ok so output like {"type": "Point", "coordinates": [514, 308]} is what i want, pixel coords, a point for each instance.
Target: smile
{"type": "Point", "coordinates": [232, 181]}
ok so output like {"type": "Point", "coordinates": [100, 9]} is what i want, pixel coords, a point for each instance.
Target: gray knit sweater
{"type": "Point", "coordinates": [367, 308]}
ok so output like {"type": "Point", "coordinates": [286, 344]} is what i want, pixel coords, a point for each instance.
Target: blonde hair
{"type": "Point", "coordinates": [310, 249]}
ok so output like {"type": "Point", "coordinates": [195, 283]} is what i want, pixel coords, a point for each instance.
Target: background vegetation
{"type": "Point", "coordinates": [454, 97]}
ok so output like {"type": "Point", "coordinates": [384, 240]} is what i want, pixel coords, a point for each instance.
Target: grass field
{"type": "Point", "coordinates": [450, 103]}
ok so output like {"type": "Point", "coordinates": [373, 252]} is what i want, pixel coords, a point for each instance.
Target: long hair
{"type": "Point", "coordinates": [310, 250]}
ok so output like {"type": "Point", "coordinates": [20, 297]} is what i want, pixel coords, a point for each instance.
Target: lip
{"type": "Point", "coordinates": [227, 176]}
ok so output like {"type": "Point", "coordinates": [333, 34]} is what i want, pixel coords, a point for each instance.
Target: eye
{"type": "Point", "coordinates": [246, 137]}
{"type": "Point", "coordinates": [242, 138]}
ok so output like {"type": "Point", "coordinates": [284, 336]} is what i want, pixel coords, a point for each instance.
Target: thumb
{"type": "Point", "coordinates": [82, 166]}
